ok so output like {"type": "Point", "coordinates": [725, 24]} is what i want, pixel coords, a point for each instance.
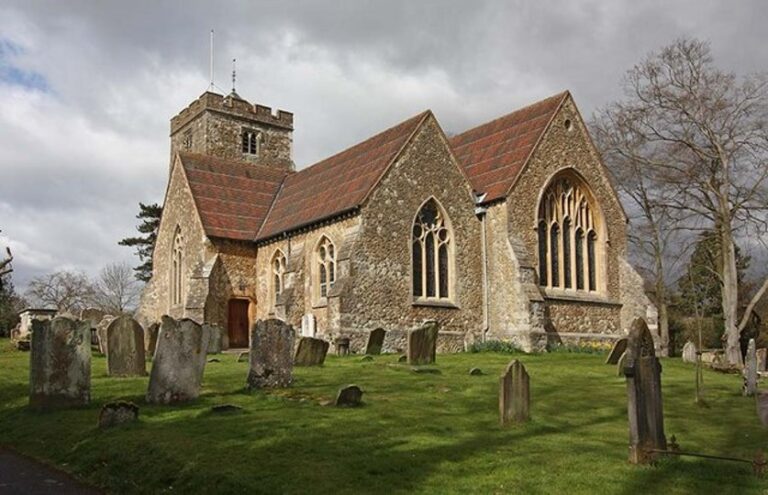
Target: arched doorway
{"type": "Point", "coordinates": [237, 322]}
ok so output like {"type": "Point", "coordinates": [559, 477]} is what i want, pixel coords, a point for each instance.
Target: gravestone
{"type": "Point", "coordinates": [514, 394]}
{"type": "Point", "coordinates": [308, 325]}
{"type": "Point", "coordinates": [689, 352]}
{"type": "Point", "coordinates": [644, 404]}
{"type": "Point", "coordinates": [342, 346]}
{"type": "Point", "coordinates": [762, 408]}
{"type": "Point", "coordinates": [422, 344]}
{"type": "Point", "coordinates": [117, 413]}
{"type": "Point", "coordinates": [177, 370]}
{"type": "Point", "coordinates": [101, 333]}
{"type": "Point", "coordinates": [375, 342]}
{"type": "Point", "coordinates": [349, 396]}
{"type": "Point", "coordinates": [214, 346]}
{"type": "Point", "coordinates": [620, 364]}
{"type": "Point", "coordinates": [59, 364]}
{"type": "Point", "coordinates": [125, 348]}
{"type": "Point", "coordinates": [750, 369]}
{"type": "Point", "coordinates": [150, 338]}
{"type": "Point", "coordinates": [762, 359]}
{"type": "Point", "coordinates": [618, 349]}
{"type": "Point", "coordinates": [311, 352]}
{"type": "Point", "coordinates": [271, 354]}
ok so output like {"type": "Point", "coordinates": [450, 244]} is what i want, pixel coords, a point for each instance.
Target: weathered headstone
{"type": "Point", "coordinates": [762, 359]}
{"type": "Point", "coordinates": [644, 404]}
{"type": "Point", "coordinates": [311, 352]}
{"type": "Point", "coordinates": [342, 346]}
{"type": "Point", "coordinates": [422, 344]}
{"type": "Point", "coordinates": [689, 352]}
{"type": "Point", "coordinates": [117, 413]}
{"type": "Point", "coordinates": [271, 354]}
{"type": "Point", "coordinates": [514, 394]}
{"type": "Point", "coordinates": [177, 370]}
{"type": "Point", "coordinates": [125, 348]}
{"type": "Point", "coordinates": [349, 396]}
{"type": "Point", "coordinates": [101, 333]}
{"type": "Point", "coordinates": [308, 325]}
{"type": "Point", "coordinates": [475, 372]}
{"type": "Point", "coordinates": [750, 369]}
{"type": "Point", "coordinates": [620, 364]}
{"type": "Point", "coordinates": [150, 338]}
{"type": "Point", "coordinates": [762, 408]}
{"type": "Point", "coordinates": [618, 349]}
{"type": "Point", "coordinates": [375, 342]}
{"type": "Point", "coordinates": [214, 346]}
{"type": "Point", "coordinates": [59, 364]}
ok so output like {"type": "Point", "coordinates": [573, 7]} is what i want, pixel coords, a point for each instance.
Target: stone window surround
{"type": "Point", "coordinates": [597, 226]}
{"type": "Point", "coordinates": [319, 264]}
{"type": "Point", "coordinates": [176, 275]}
{"type": "Point", "coordinates": [277, 283]}
{"type": "Point", "coordinates": [251, 140]}
{"type": "Point", "coordinates": [438, 302]}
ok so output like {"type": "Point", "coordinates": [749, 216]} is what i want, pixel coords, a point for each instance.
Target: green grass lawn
{"type": "Point", "coordinates": [423, 433]}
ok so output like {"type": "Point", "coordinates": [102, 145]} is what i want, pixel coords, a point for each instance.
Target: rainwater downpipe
{"type": "Point", "coordinates": [481, 212]}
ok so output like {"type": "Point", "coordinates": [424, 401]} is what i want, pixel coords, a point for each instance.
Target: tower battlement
{"type": "Point", "coordinates": [234, 106]}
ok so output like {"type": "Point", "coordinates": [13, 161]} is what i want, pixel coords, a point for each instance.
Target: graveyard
{"type": "Point", "coordinates": [432, 428]}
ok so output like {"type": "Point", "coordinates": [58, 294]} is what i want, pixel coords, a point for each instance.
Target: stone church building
{"type": "Point", "coordinates": [508, 231]}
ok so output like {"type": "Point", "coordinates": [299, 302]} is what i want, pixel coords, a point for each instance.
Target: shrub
{"type": "Point", "coordinates": [495, 346]}
{"type": "Point", "coordinates": [589, 347]}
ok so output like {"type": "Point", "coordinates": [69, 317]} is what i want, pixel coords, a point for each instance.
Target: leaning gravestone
{"type": "Point", "coordinates": [311, 352]}
{"type": "Point", "coordinates": [689, 352]}
{"type": "Point", "coordinates": [125, 348]}
{"type": "Point", "coordinates": [762, 357]}
{"type": "Point", "coordinates": [618, 349]}
{"type": "Point", "coordinates": [514, 394]}
{"type": "Point", "coordinates": [177, 370]}
{"type": "Point", "coordinates": [375, 342]}
{"type": "Point", "coordinates": [750, 370]}
{"type": "Point", "coordinates": [620, 364]}
{"type": "Point", "coordinates": [214, 346]}
{"type": "Point", "coordinates": [644, 405]}
{"type": "Point", "coordinates": [349, 396]}
{"type": "Point", "coordinates": [60, 363]}
{"type": "Point", "coordinates": [150, 338]}
{"type": "Point", "coordinates": [271, 354]}
{"type": "Point", "coordinates": [422, 344]}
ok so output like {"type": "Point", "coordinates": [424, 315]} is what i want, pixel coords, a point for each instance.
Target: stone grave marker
{"type": "Point", "coordinates": [619, 347]}
{"type": "Point", "coordinates": [514, 394]}
{"type": "Point", "coordinates": [214, 346]}
{"type": "Point", "coordinates": [342, 346]}
{"type": "Point", "coordinates": [762, 359]}
{"type": "Point", "coordinates": [375, 342]}
{"type": "Point", "coordinates": [308, 325]}
{"type": "Point", "coordinates": [620, 364]}
{"type": "Point", "coordinates": [422, 344]}
{"type": "Point", "coordinates": [644, 404]}
{"type": "Point", "coordinates": [101, 333]}
{"type": "Point", "coordinates": [125, 348]}
{"type": "Point", "coordinates": [150, 338]}
{"type": "Point", "coordinates": [349, 396]}
{"type": "Point", "coordinates": [750, 369]}
{"type": "Point", "coordinates": [60, 363]}
{"type": "Point", "coordinates": [180, 357]}
{"type": "Point", "coordinates": [689, 352]}
{"type": "Point", "coordinates": [117, 413]}
{"type": "Point", "coordinates": [311, 352]}
{"type": "Point", "coordinates": [271, 354]}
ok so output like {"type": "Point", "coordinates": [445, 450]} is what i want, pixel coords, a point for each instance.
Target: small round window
{"type": "Point", "coordinates": [568, 124]}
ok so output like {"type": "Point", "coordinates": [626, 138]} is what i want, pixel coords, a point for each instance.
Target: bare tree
{"type": "Point", "coordinates": [704, 134]}
{"type": "Point", "coordinates": [64, 290]}
{"type": "Point", "coordinates": [116, 288]}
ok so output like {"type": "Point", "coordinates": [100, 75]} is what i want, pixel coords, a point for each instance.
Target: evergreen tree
{"type": "Point", "coordinates": [10, 304]}
{"type": "Point", "coordinates": [145, 244]}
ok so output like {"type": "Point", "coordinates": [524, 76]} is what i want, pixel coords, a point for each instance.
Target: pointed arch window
{"type": "Point", "coordinates": [278, 274]}
{"type": "Point", "coordinates": [569, 240]}
{"type": "Point", "coordinates": [177, 269]}
{"type": "Point", "coordinates": [432, 254]}
{"type": "Point", "coordinates": [325, 256]}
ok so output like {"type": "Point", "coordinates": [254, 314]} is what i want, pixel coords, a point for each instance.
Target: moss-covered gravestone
{"type": "Point", "coordinates": [514, 394]}
{"type": "Point", "coordinates": [311, 352]}
{"type": "Point", "coordinates": [180, 357]}
{"type": "Point", "coordinates": [60, 363]}
{"type": "Point", "coordinates": [125, 348]}
{"type": "Point", "coordinates": [618, 349]}
{"type": "Point", "coordinates": [271, 354]}
{"type": "Point", "coordinates": [375, 342]}
{"type": "Point", "coordinates": [422, 344]}
{"type": "Point", "coordinates": [644, 405]}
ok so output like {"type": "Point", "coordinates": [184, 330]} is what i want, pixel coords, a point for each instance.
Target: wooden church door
{"type": "Point", "coordinates": [237, 323]}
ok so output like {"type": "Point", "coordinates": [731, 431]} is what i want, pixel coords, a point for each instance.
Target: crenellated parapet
{"type": "Point", "coordinates": [234, 106]}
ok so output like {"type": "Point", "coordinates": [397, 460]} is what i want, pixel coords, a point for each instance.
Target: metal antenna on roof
{"type": "Point", "coordinates": [234, 74]}
{"type": "Point", "coordinates": [211, 87]}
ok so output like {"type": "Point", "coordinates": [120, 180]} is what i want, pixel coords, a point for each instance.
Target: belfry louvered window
{"type": "Point", "coordinates": [251, 142]}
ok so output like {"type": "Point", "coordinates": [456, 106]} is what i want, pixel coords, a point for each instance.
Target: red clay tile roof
{"type": "Point", "coordinates": [337, 184]}
{"type": "Point", "coordinates": [494, 153]}
{"type": "Point", "coordinates": [232, 197]}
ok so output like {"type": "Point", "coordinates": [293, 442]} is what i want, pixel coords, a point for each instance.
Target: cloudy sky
{"type": "Point", "coordinates": [87, 88]}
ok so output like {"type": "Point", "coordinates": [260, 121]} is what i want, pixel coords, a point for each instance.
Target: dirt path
{"type": "Point", "coordinates": [22, 475]}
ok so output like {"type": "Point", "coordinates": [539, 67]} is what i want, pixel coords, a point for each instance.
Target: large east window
{"type": "Point", "coordinates": [432, 254]}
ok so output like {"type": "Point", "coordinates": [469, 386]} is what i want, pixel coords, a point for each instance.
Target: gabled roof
{"type": "Point", "coordinates": [232, 197]}
{"type": "Point", "coordinates": [493, 154]}
{"type": "Point", "coordinates": [337, 184]}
